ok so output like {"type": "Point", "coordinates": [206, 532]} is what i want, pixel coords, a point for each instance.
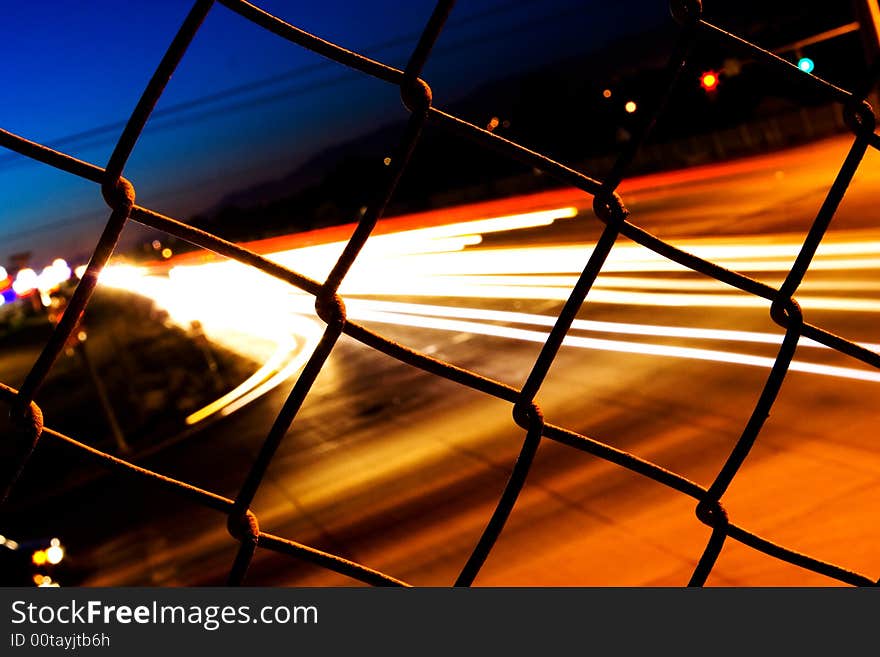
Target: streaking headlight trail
{"type": "Point", "coordinates": [269, 322]}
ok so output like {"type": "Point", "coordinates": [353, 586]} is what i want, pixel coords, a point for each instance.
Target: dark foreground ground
{"type": "Point", "coordinates": [152, 373]}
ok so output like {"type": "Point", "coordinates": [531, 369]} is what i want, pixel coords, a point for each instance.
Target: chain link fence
{"type": "Point", "coordinates": [609, 209]}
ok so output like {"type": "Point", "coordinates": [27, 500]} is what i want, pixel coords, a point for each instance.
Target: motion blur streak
{"type": "Point", "coordinates": [646, 283]}
{"type": "Point", "coordinates": [269, 322]}
{"type": "Point", "coordinates": [356, 306]}
{"type": "Point", "coordinates": [313, 334]}
{"type": "Point", "coordinates": [260, 326]}
{"type": "Point", "coordinates": [268, 369]}
{"type": "Point", "coordinates": [616, 345]}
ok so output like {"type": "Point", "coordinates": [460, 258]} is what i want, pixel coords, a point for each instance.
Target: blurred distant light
{"type": "Point", "coordinates": [709, 81]}
{"type": "Point", "coordinates": [122, 276]}
{"type": "Point", "coordinates": [157, 245]}
{"type": "Point", "coordinates": [25, 281]}
{"type": "Point", "coordinates": [80, 271]}
{"type": "Point", "coordinates": [732, 67]}
{"type": "Point", "coordinates": [630, 107]}
{"type": "Point", "coordinates": [47, 275]}
{"type": "Point", "coordinates": [3, 273]}
{"type": "Point", "coordinates": [606, 93]}
{"type": "Point", "coordinates": [166, 253]}
{"type": "Point", "coordinates": [806, 64]}
{"type": "Point", "coordinates": [53, 276]}
{"type": "Point", "coordinates": [39, 557]}
{"type": "Point", "coordinates": [386, 161]}
{"type": "Point", "coordinates": [55, 554]}
{"type": "Point", "coordinates": [12, 545]}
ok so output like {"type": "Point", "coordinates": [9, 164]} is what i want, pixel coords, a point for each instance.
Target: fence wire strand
{"type": "Point", "coordinates": [119, 194]}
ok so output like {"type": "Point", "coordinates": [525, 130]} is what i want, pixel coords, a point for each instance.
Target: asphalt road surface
{"type": "Point", "coordinates": [399, 470]}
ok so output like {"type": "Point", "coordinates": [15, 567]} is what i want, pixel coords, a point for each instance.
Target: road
{"type": "Point", "coordinates": [400, 471]}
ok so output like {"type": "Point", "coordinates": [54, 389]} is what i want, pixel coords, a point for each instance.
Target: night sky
{"type": "Point", "coordinates": [245, 105]}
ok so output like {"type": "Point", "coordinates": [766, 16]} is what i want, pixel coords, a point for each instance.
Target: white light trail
{"type": "Point", "coordinates": [231, 300]}
{"type": "Point", "coordinates": [620, 346]}
{"type": "Point", "coordinates": [621, 328]}
{"type": "Point", "coordinates": [272, 323]}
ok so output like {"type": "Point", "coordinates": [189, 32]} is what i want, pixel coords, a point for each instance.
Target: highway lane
{"type": "Point", "coordinates": [400, 470]}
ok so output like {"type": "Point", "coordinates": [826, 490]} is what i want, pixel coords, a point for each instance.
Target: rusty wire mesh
{"type": "Point", "coordinates": [609, 209]}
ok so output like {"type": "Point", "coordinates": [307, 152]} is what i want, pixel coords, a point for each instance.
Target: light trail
{"type": "Point", "coordinates": [648, 283]}
{"type": "Point", "coordinates": [474, 288]}
{"type": "Point", "coordinates": [203, 292]}
{"type": "Point", "coordinates": [357, 306]}
{"type": "Point", "coordinates": [272, 323]}
{"type": "Point", "coordinates": [313, 332]}
{"type": "Point", "coordinates": [270, 367]}
{"type": "Point", "coordinates": [731, 357]}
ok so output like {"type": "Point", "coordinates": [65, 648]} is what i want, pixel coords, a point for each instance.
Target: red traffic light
{"type": "Point", "coordinates": [709, 80]}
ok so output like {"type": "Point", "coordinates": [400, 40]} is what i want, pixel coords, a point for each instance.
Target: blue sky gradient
{"type": "Point", "coordinates": [245, 105]}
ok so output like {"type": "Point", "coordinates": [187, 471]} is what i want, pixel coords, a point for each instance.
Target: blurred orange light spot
{"type": "Point", "coordinates": [40, 557]}
{"type": "Point", "coordinates": [709, 81]}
